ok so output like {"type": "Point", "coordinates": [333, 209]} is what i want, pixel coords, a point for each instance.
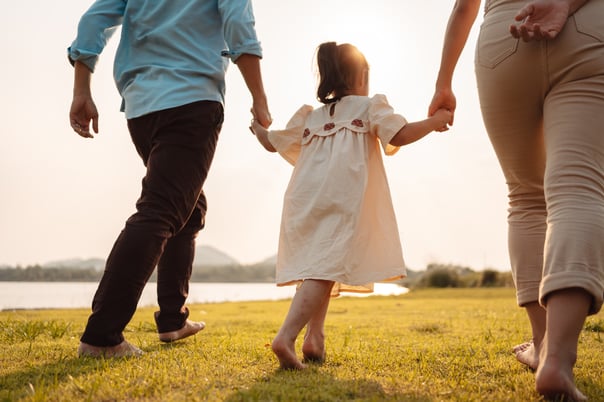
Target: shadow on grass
{"type": "Point", "coordinates": [314, 384]}
{"type": "Point", "coordinates": [36, 380]}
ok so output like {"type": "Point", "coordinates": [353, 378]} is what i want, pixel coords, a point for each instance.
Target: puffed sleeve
{"type": "Point", "coordinates": [384, 123]}
{"type": "Point", "coordinates": [288, 142]}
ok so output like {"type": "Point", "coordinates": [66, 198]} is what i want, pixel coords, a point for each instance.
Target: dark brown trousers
{"type": "Point", "coordinates": [177, 146]}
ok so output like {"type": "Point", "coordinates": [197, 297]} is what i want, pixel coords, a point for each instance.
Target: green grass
{"type": "Point", "coordinates": [428, 345]}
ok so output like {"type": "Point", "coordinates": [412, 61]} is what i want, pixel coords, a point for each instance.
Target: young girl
{"type": "Point", "coordinates": [338, 229]}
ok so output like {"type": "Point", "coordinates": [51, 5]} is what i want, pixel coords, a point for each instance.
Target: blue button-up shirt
{"type": "Point", "coordinates": [171, 52]}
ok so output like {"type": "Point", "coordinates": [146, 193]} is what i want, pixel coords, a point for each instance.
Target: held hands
{"type": "Point", "coordinates": [261, 134]}
{"type": "Point", "coordinates": [443, 107]}
{"type": "Point", "coordinates": [540, 20]}
{"type": "Point", "coordinates": [260, 122]}
{"type": "Point", "coordinates": [261, 113]}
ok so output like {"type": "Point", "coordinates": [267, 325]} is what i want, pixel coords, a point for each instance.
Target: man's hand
{"type": "Point", "coordinates": [261, 113]}
{"type": "Point", "coordinates": [83, 110]}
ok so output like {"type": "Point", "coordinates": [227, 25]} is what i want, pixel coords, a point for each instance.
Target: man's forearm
{"type": "Point", "coordinates": [249, 65]}
{"type": "Point", "coordinates": [82, 79]}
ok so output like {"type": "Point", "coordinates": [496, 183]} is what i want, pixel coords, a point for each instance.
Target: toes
{"type": "Point", "coordinates": [522, 347]}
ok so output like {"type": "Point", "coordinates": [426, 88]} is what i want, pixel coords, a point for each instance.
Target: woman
{"type": "Point", "coordinates": [541, 91]}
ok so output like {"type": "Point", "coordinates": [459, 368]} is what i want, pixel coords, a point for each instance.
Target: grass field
{"type": "Point", "coordinates": [427, 345]}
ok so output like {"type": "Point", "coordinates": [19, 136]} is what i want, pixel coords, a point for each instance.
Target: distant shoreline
{"type": "Point", "coordinates": [60, 295]}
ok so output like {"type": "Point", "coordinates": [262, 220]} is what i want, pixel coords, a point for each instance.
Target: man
{"type": "Point", "coordinates": [169, 70]}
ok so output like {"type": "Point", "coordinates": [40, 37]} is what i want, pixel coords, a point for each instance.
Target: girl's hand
{"type": "Point", "coordinates": [540, 20]}
{"type": "Point", "coordinates": [257, 128]}
{"type": "Point", "coordinates": [443, 117]}
{"type": "Point", "coordinates": [261, 134]}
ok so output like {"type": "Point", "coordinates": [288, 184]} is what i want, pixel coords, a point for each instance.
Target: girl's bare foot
{"type": "Point", "coordinates": [313, 348]}
{"type": "Point", "coordinates": [286, 353]}
{"type": "Point", "coordinates": [526, 353]}
{"type": "Point", "coordinates": [318, 358]}
{"type": "Point", "coordinates": [554, 380]}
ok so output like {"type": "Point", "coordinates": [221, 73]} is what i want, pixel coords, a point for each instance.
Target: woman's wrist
{"type": "Point", "coordinates": [574, 5]}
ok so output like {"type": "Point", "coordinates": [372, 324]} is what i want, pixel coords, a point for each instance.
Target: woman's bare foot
{"type": "Point", "coordinates": [566, 312]}
{"type": "Point", "coordinates": [526, 353]}
{"type": "Point", "coordinates": [286, 353]}
{"type": "Point", "coordinates": [554, 380]}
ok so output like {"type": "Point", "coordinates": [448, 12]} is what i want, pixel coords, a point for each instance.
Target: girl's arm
{"type": "Point", "coordinates": [262, 136]}
{"type": "Point", "coordinates": [414, 131]}
{"type": "Point", "coordinates": [458, 28]}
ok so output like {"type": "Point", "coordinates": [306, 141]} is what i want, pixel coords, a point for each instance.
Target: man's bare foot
{"type": "Point", "coordinates": [286, 353]}
{"type": "Point", "coordinates": [313, 350]}
{"type": "Point", "coordinates": [554, 380]}
{"type": "Point", "coordinates": [124, 349]}
{"type": "Point", "coordinates": [526, 353]}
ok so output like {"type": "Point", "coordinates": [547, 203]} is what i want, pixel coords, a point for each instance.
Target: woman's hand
{"type": "Point", "coordinates": [443, 99]}
{"type": "Point", "coordinates": [541, 20]}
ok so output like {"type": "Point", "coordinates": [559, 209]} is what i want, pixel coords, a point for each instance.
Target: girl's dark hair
{"type": "Point", "coordinates": [339, 66]}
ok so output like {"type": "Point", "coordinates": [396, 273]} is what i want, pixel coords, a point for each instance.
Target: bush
{"type": "Point", "coordinates": [489, 279]}
{"type": "Point", "coordinates": [441, 278]}
{"type": "Point", "coordinates": [456, 276]}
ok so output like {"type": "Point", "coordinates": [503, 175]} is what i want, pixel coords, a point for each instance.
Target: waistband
{"type": "Point", "coordinates": [489, 5]}
{"type": "Point", "coordinates": [492, 4]}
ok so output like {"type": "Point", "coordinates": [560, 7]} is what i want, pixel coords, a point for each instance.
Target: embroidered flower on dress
{"type": "Point", "coordinates": [357, 123]}
{"type": "Point", "coordinates": [306, 133]}
{"type": "Point", "coordinates": [328, 126]}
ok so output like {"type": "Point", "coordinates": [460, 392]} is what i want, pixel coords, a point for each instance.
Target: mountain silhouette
{"type": "Point", "coordinates": [205, 256]}
{"type": "Point", "coordinates": [210, 256]}
{"type": "Point", "coordinates": [98, 264]}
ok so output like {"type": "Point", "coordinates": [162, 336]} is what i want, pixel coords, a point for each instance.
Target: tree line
{"type": "Point", "coordinates": [226, 273]}
{"type": "Point", "coordinates": [434, 276]}
{"type": "Point", "coordinates": [456, 276]}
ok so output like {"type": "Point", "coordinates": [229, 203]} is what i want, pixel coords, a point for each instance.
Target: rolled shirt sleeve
{"type": "Point", "coordinates": [239, 29]}
{"type": "Point", "coordinates": [95, 29]}
{"type": "Point", "coordinates": [170, 52]}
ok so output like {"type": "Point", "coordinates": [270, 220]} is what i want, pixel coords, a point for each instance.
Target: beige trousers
{"type": "Point", "coordinates": [543, 108]}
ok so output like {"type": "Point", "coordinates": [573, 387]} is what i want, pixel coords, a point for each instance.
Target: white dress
{"type": "Point", "coordinates": [338, 222]}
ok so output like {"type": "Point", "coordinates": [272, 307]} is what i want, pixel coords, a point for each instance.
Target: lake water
{"type": "Point", "coordinates": [38, 295]}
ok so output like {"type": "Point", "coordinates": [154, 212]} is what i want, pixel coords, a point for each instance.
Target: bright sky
{"type": "Point", "coordinates": [64, 196]}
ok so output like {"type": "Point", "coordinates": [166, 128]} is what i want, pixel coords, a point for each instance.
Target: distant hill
{"type": "Point", "coordinates": [209, 256]}
{"type": "Point", "coordinates": [204, 256]}
{"type": "Point", "coordinates": [209, 265]}
{"type": "Point", "coordinates": [98, 264]}
{"type": "Point", "coordinates": [272, 261]}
